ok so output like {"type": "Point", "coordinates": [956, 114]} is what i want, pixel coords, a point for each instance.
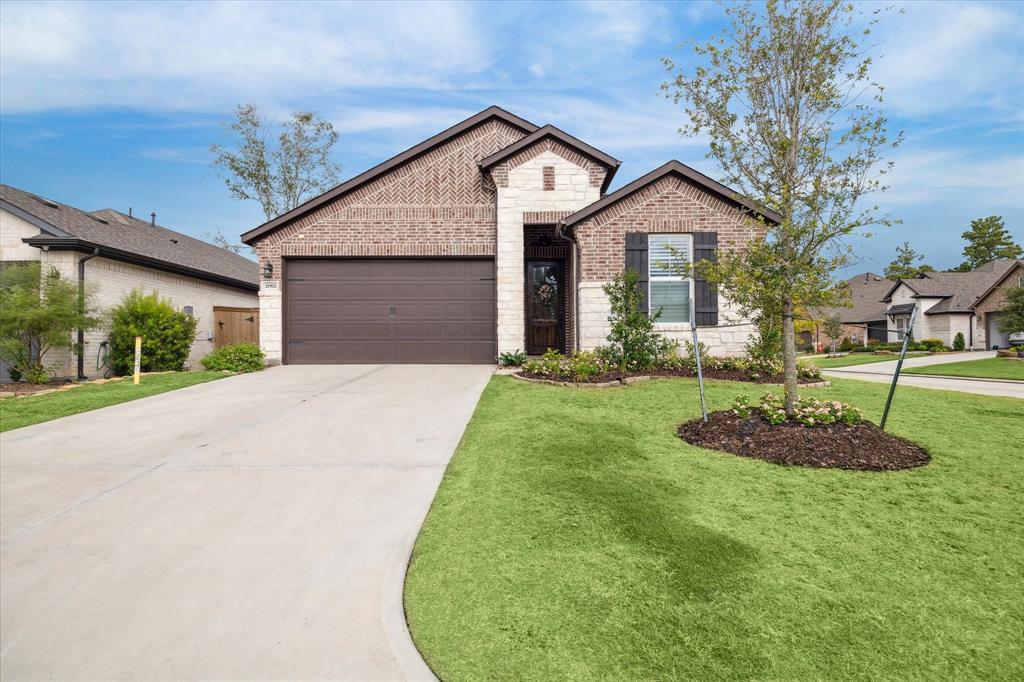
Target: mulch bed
{"type": "Point", "coordinates": [20, 388]}
{"type": "Point", "coordinates": [863, 447]}
{"type": "Point", "coordinates": [723, 374]}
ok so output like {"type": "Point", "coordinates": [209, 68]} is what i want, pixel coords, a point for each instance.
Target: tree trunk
{"type": "Point", "coordinates": [789, 356]}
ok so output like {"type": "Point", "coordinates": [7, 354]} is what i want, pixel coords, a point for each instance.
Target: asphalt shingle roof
{"type": "Point", "coordinates": [116, 230]}
{"type": "Point", "coordinates": [959, 289]}
{"type": "Point", "coordinates": [866, 293]}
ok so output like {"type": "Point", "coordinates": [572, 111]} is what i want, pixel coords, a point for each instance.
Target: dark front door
{"type": "Point", "coordinates": [545, 306]}
{"type": "Point", "coordinates": [427, 310]}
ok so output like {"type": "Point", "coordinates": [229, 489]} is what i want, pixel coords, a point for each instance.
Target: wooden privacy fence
{"type": "Point", "coordinates": [235, 325]}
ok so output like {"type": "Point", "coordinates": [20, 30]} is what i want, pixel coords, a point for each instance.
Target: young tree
{"type": "Point", "coordinates": [793, 120]}
{"type": "Point", "coordinates": [1012, 319]}
{"type": "Point", "coordinates": [37, 314]}
{"type": "Point", "coordinates": [219, 239]}
{"type": "Point", "coordinates": [283, 175]}
{"type": "Point", "coordinates": [987, 240]}
{"type": "Point", "coordinates": [904, 266]}
{"type": "Point", "coordinates": [833, 330]}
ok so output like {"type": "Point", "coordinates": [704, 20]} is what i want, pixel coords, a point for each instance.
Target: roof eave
{"type": "Point", "coordinates": [595, 154]}
{"type": "Point", "coordinates": [35, 220]}
{"type": "Point", "coordinates": [76, 244]}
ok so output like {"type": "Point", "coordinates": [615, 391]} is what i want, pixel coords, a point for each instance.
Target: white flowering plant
{"type": "Point", "coordinates": [809, 411]}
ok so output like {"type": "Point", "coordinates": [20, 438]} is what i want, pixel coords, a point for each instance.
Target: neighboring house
{"type": "Point", "coordinates": [992, 302]}
{"type": "Point", "coordinates": [864, 319]}
{"type": "Point", "coordinates": [495, 235]}
{"type": "Point", "coordinates": [117, 253]}
{"type": "Point", "coordinates": [945, 304]}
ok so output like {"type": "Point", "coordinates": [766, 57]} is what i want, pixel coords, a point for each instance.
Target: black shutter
{"type": "Point", "coordinates": [705, 296]}
{"type": "Point", "coordinates": [636, 259]}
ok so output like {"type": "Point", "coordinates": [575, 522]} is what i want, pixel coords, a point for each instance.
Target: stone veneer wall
{"type": "Point", "coordinates": [520, 188]}
{"type": "Point", "coordinates": [438, 204]}
{"type": "Point", "coordinates": [671, 204]}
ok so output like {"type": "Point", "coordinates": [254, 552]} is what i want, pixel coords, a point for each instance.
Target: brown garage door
{"type": "Point", "coordinates": [384, 310]}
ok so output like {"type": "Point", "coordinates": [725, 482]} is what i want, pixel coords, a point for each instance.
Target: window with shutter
{"type": "Point", "coordinates": [669, 290]}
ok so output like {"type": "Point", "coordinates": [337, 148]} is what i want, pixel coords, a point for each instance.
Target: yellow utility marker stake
{"type": "Point", "coordinates": [138, 358]}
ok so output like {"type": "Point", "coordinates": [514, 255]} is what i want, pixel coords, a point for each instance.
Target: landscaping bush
{"type": "Point", "coordinates": [238, 357]}
{"type": "Point", "coordinates": [958, 341]}
{"type": "Point", "coordinates": [846, 345]}
{"type": "Point", "coordinates": [933, 345]}
{"type": "Point", "coordinates": [765, 344]}
{"type": "Point", "coordinates": [809, 411]}
{"type": "Point", "coordinates": [805, 371]}
{"type": "Point", "coordinates": [167, 334]}
{"type": "Point", "coordinates": [581, 365]}
{"type": "Point", "coordinates": [38, 312]}
{"type": "Point", "coordinates": [632, 342]}
{"type": "Point", "coordinates": [512, 359]}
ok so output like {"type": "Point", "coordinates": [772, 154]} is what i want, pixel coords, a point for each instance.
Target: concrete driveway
{"type": "Point", "coordinates": [883, 371]}
{"type": "Point", "coordinates": [257, 527]}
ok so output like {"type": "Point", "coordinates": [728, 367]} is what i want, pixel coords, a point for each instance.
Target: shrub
{"type": "Point", "coordinates": [579, 366]}
{"type": "Point", "coordinates": [846, 345]}
{"type": "Point", "coordinates": [167, 334]}
{"type": "Point", "coordinates": [958, 341]}
{"type": "Point", "coordinates": [809, 411]}
{"type": "Point", "coordinates": [238, 357]}
{"type": "Point", "coordinates": [805, 371]}
{"type": "Point", "coordinates": [512, 359]}
{"type": "Point", "coordinates": [766, 343]}
{"type": "Point", "coordinates": [14, 373]}
{"type": "Point", "coordinates": [38, 312]}
{"type": "Point", "coordinates": [632, 342]}
{"type": "Point", "coordinates": [933, 345]}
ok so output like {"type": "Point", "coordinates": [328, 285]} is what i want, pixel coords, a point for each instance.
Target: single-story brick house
{"type": "Point", "coordinates": [494, 235]}
{"type": "Point", "coordinates": [864, 318]}
{"type": "Point", "coordinates": [945, 304]}
{"type": "Point", "coordinates": [992, 303]}
{"type": "Point", "coordinates": [114, 253]}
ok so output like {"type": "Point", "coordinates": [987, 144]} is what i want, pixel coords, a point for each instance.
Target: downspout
{"type": "Point", "coordinates": [81, 309]}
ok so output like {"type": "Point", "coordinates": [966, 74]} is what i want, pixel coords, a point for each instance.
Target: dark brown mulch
{"type": "Point", "coordinates": [723, 374]}
{"type": "Point", "coordinates": [25, 388]}
{"type": "Point", "coordinates": [862, 447]}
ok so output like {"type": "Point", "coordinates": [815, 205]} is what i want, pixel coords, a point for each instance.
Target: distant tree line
{"type": "Point", "coordinates": [987, 240]}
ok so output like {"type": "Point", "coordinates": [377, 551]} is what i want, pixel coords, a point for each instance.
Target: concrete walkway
{"type": "Point", "coordinates": [257, 527]}
{"type": "Point", "coordinates": [883, 371]}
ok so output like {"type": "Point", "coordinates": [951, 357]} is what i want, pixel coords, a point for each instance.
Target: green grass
{"type": "Point", "coordinates": [988, 368]}
{"type": "Point", "coordinates": [18, 412]}
{"type": "Point", "coordinates": [858, 359]}
{"type": "Point", "coordinates": [576, 537]}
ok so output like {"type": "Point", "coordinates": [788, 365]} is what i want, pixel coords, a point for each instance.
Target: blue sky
{"type": "Point", "coordinates": [116, 104]}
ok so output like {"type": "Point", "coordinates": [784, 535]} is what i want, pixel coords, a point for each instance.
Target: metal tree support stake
{"type": "Point", "coordinates": [899, 366]}
{"type": "Point", "coordinates": [700, 371]}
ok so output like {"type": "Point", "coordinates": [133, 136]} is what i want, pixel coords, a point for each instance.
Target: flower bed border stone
{"type": "Point", "coordinates": [626, 381]}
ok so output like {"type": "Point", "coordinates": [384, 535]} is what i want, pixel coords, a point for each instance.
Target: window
{"type": "Point", "coordinates": [668, 290]}
{"type": "Point", "coordinates": [901, 326]}
{"type": "Point", "coordinates": [188, 310]}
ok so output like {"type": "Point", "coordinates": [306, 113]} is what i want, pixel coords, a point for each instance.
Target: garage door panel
{"type": "Point", "coordinates": [390, 310]}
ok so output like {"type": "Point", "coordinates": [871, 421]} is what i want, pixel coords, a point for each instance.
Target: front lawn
{"type": "Point", "coordinates": [988, 368]}
{"type": "Point", "coordinates": [18, 412]}
{"type": "Point", "coordinates": [858, 359]}
{"type": "Point", "coordinates": [576, 537]}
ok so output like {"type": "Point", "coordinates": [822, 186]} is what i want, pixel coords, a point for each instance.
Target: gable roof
{"type": "Point", "coordinates": [392, 163]}
{"type": "Point", "coordinates": [122, 237]}
{"type": "Point", "coordinates": [959, 289]}
{"type": "Point", "coordinates": [549, 131]}
{"type": "Point", "coordinates": [1009, 271]}
{"type": "Point", "coordinates": [866, 292]}
{"type": "Point", "coordinates": [671, 168]}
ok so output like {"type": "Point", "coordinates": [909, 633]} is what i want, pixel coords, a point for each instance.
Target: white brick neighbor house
{"type": "Point", "coordinates": [494, 235]}
{"type": "Point", "coordinates": [118, 253]}
{"type": "Point", "coordinates": [946, 305]}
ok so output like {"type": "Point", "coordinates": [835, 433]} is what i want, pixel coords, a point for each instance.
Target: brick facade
{"type": "Point", "coordinates": [671, 204]}
{"type": "Point", "coordinates": [987, 325]}
{"type": "Point", "coordinates": [441, 204]}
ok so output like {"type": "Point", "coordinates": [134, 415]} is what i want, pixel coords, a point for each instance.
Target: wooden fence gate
{"type": "Point", "coordinates": [235, 325]}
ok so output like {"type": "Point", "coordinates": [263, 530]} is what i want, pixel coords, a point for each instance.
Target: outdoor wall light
{"type": "Point", "coordinates": [268, 270]}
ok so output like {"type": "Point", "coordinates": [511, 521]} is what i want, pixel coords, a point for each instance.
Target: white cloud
{"type": "Point", "coordinates": [199, 57]}
{"type": "Point", "coordinates": [944, 175]}
{"type": "Point", "coordinates": [940, 57]}
{"type": "Point", "coordinates": [197, 155]}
